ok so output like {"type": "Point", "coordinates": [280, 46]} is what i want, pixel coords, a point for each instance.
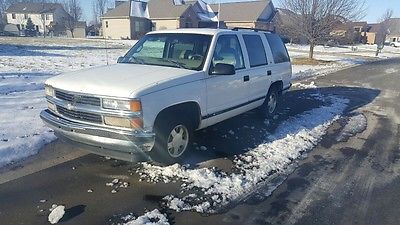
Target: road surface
{"type": "Point", "coordinates": [350, 181]}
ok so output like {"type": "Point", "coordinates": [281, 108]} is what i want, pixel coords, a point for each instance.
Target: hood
{"type": "Point", "coordinates": [119, 80]}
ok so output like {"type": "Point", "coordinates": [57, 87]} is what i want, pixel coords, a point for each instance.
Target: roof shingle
{"type": "Point", "coordinates": [34, 8]}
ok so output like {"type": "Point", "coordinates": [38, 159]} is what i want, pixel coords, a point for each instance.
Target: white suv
{"type": "Point", "coordinates": [168, 85]}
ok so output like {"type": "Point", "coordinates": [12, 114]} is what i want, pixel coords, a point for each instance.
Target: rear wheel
{"type": "Point", "coordinates": [271, 103]}
{"type": "Point", "coordinates": [172, 141]}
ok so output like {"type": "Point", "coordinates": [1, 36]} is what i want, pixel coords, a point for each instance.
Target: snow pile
{"type": "Point", "coordinates": [305, 86]}
{"type": "Point", "coordinates": [355, 124]}
{"type": "Point", "coordinates": [56, 214]}
{"type": "Point", "coordinates": [253, 169]}
{"type": "Point", "coordinates": [154, 217]}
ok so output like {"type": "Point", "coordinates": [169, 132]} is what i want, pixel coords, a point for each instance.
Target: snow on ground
{"type": "Point", "coordinates": [337, 58]}
{"type": "Point", "coordinates": [154, 217]}
{"type": "Point", "coordinates": [56, 214]}
{"type": "Point", "coordinates": [25, 63]}
{"type": "Point", "coordinates": [205, 190]}
{"type": "Point", "coordinates": [355, 124]}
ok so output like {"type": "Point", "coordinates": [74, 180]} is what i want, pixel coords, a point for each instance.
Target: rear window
{"type": "Point", "coordinates": [255, 49]}
{"type": "Point", "coordinates": [278, 49]}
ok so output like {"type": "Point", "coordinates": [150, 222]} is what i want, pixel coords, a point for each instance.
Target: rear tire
{"type": "Point", "coordinates": [271, 104]}
{"type": "Point", "coordinates": [173, 141]}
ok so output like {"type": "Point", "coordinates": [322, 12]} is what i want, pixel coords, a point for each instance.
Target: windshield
{"type": "Point", "coordinates": [187, 51]}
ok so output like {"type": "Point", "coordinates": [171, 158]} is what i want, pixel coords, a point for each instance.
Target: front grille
{"type": "Point", "coordinates": [83, 116]}
{"type": "Point", "coordinates": [79, 99]}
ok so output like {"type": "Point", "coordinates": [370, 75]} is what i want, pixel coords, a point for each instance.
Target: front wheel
{"type": "Point", "coordinates": [271, 103]}
{"type": "Point", "coordinates": [172, 141]}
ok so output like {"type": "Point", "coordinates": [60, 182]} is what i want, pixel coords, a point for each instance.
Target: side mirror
{"type": "Point", "coordinates": [223, 69]}
{"type": "Point", "coordinates": [120, 59]}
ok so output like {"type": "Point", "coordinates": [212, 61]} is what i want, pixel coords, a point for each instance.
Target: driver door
{"type": "Point", "coordinates": [226, 94]}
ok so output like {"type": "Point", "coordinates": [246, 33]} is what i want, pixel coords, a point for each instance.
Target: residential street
{"type": "Point", "coordinates": [348, 178]}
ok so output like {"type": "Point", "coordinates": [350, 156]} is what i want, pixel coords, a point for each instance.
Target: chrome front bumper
{"type": "Point", "coordinates": [119, 144]}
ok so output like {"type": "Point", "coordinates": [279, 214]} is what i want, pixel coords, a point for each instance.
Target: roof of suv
{"type": "Point", "coordinates": [207, 31]}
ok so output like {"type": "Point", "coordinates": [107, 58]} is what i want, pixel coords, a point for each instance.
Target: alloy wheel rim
{"type": "Point", "coordinates": [272, 103]}
{"type": "Point", "coordinates": [178, 140]}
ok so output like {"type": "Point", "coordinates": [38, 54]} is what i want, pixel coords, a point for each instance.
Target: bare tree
{"type": "Point", "coordinates": [99, 8]}
{"type": "Point", "coordinates": [75, 11]}
{"type": "Point", "coordinates": [314, 19]}
{"type": "Point", "coordinates": [384, 27]}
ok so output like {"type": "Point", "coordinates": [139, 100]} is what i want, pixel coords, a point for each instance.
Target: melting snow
{"type": "Point", "coordinates": [355, 124]}
{"type": "Point", "coordinates": [56, 214]}
{"type": "Point", "coordinates": [154, 217]}
{"type": "Point", "coordinates": [292, 138]}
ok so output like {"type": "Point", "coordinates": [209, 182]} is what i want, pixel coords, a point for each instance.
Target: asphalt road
{"type": "Point", "coordinates": [354, 181]}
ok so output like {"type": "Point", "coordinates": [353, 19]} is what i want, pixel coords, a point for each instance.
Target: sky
{"type": "Point", "coordinates": [375, 8]}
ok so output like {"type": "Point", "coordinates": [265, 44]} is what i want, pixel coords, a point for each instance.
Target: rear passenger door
{"type": "Point", "coordinates": [258, 67]}
{"type": "Point", "coordinates": [281, 69]}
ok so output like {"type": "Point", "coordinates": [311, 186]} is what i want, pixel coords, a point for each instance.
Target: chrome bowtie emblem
{"type": "Point", "coordinates": [70, 106]}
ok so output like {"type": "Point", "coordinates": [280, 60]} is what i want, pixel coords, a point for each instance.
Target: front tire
{"type": "Point", "coordinates": [172, 142]}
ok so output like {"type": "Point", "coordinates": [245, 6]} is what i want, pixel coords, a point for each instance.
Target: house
{"type": "Point", "coordinates": [41, 14]}
{"type": "Point", "coordinates": [394, 30]}
{"type": "Point", "coordinates": [250, 14]}
{"type": "Point", "coordinates": [79, 30]}
{"type": "Point", "coordinates": [132, 19]}
{"type": "Point", "coordinates": [172, 14]}
{"type": "Point", "coordinates": [372, 33]}
{"type": "Point", "coordinates": [129, 20]}
{"type": "Point", "coordinates": [376, 32]}
{"type": "Point", "coordinates": [350, 32]}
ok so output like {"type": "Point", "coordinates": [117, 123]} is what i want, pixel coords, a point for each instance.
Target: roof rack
{"type": "Point", "coordinates": [248, 28]}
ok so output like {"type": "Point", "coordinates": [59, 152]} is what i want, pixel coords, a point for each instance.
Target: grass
{"type": "Point", "coordinates": [308, 61]}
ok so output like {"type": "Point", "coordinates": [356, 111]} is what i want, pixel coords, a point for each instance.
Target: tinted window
{"type": "Point", "coordinates": [228, 51]}
{"type": "Point", "coordinates": [278, 49]}
{"type": "Point", "coordinates": [255, 49]}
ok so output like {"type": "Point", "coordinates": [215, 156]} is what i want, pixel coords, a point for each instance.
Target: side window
{"type": "Point", "coordinates": [278, 49]}
{"type": "Point", "coordinates": [256, 50]}
{"type": "Point", "coordinates": [228, 51]}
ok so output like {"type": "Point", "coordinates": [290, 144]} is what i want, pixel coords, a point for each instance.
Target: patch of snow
{"type": "Point", "coordinates": [305, 86]}
{"type": "Point", "coordinates": [355, 124]}
{"type": "Point", "coordinates": [154, 217]}
{"type": "Point", "coordinates": [291, 139]}
{"type": "Point", "coordinates": [56, 214]}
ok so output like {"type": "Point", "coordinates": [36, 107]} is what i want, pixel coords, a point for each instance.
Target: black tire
{"type": "Point", "coordinates": [268, 108]}
{"type": "Point", "coordinates": [164, 129]}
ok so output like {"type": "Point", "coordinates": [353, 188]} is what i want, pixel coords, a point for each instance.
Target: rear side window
{"type": "Point", "coordinates": [255, 49]}
{"type": "Point", "coordinates": [278, 49]}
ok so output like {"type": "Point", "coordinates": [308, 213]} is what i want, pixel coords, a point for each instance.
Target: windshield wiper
{"type": "Point", "coordinates": [177, 64]}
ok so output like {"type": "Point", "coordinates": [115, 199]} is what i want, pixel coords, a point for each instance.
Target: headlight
{"type": "Point", "coordinates": [135, 123]}
{"type": "Point", "coordinates": [126, 105]}
{"type": "Point", "coordinates": [49, 91]}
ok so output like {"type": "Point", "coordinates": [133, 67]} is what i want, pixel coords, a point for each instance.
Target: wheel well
{"type": "Point", "coordinates": [188, 110]}
{"type": "Point", "coordinates": [278, 85]}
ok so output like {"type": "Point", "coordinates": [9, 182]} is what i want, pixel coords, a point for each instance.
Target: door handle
{"type": "Point", "coordinates": [269, 73]}
{"type": "Point", "coordinates": [246, 78]}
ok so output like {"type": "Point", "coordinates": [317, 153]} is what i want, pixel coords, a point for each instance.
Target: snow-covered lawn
{"type": "Point", "coordinates": [25, 63]}
{"type": "Point", "coordinates": [337, 58]}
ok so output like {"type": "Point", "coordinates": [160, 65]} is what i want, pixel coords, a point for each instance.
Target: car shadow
{"type": "Point", "coordinates": [246, 131]}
